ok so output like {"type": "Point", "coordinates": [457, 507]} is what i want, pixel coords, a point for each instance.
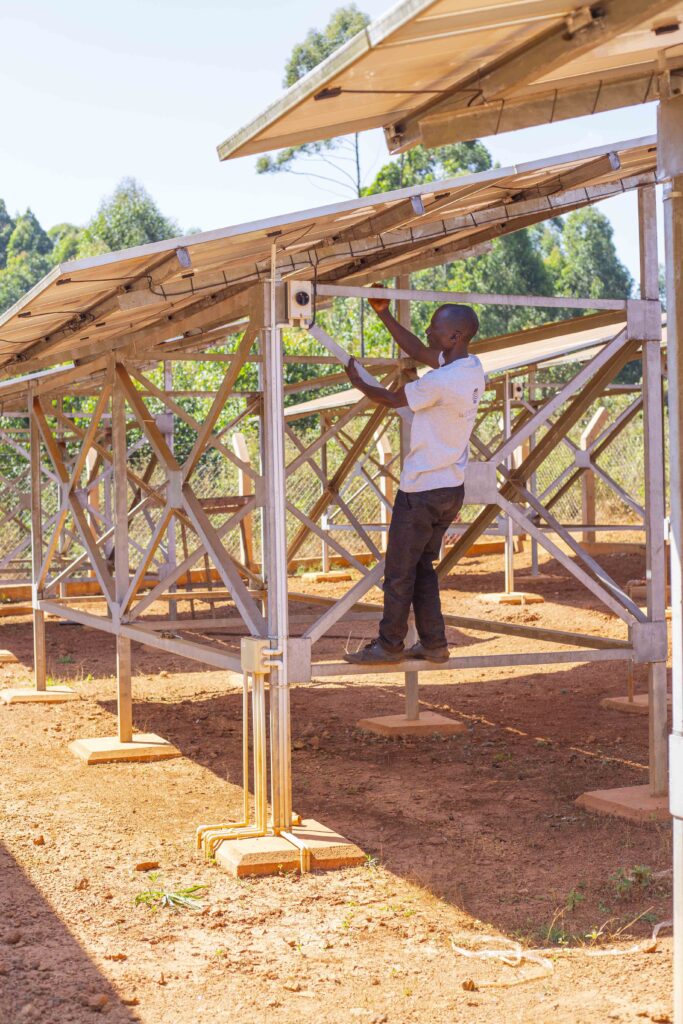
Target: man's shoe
{"type": "Point", "coordinates": [375, 654]}
{"type": "Point", "coordinates": [427, 653]}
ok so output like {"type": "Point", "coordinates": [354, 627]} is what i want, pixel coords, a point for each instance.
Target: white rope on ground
{"type": "Point", "coordinates": [514, 955]}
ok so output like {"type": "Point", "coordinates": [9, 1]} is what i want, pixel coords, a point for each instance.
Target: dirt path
{"type": "Point", "coordinates": [469, 838]}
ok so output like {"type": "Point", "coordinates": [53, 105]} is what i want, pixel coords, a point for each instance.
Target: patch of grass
{"type": "Point", "coordinates": [314, 567]}
{"type": "Point", "coordinates": [575, 898]}
{"type": "Point", "coordinates": [557, 936]}
{"type": "Point", "coordinates": [184, 898]}
{"type": "Point", "coordinates": [626, 881]}
{"type": "Point", "coordinates": [65, 659]}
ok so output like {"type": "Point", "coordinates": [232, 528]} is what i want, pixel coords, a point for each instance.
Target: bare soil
{"type": "Point", "coordinates": [473, 841]}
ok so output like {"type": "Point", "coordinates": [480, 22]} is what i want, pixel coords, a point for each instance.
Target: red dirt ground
{"type": "Point", "coordinates": [471, 838]}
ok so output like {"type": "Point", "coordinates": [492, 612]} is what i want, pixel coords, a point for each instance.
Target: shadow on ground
{"type": "Point", "coordinates": [46, 975]}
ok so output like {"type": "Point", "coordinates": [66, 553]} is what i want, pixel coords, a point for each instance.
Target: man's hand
{"type": "Point", "coordinates": [353, 374]}
{"type": "Point", "coordinates": [379, 305]}
{"type": "Point", "coordinates": [391, 399]}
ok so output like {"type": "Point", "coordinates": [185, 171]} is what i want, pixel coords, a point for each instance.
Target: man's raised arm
{"type": "Point", "coordinates": [381, 395]}
{"type": "Point", "coordinates": [405, 339]}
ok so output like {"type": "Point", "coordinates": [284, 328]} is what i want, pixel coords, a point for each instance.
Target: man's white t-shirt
{"type": "Point", "coordinates": [444, 402]}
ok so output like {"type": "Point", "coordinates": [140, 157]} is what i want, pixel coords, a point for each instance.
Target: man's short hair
{"type": "Point", "coordinates": [460, 318]}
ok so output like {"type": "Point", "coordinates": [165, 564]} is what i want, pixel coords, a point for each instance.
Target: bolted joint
{"type": "Point", "coordinates": [582, 19]}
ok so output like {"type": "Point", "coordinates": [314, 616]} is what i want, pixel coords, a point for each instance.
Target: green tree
{"type": "Point", "coordinates": [28, 237]}
{"type": "Point", "coordinates": [420, 165]}
{"type": "Point", "coordinates": [514, 266]}
{"type": "Point", "coordinates": [20, 274]}
{"type": "Point", "coordinates": [334, 161]}
{"type": "Point", "coordinates": [27, 257]}
{"type": "Point", "coordinates": [591, 266]}
{"type": "Point", "coordinates": [582, 260]}
{"type": "Point", "coordinates": [6, 229]}
{"type": "Point", "coordinates": [127, 218]}
{"type": "Point", "coordinates": [66, 239]}
{"type": "Point", "coordinates": [344, 24]}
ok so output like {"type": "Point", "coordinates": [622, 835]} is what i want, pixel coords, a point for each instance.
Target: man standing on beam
{"type": "Point", "coordinates": [444, 404]}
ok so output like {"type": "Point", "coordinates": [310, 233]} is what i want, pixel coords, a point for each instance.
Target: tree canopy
{"type": "Point", "coordinates": [344, 24]}
{"type": "Point", "coordinates": [126, 218]}
{"type": "Point", "coordinates": [419, 166]}
{"type": "Point", "coordinates": [27, 252]}
{"type": "Point", "coordinates": [333, 161]}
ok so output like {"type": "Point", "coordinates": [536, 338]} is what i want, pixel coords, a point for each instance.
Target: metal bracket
{"type": "Point", "coordinates": [164, 422]}
{"type": "Point", "coordinates": [669, 137]}
{"type": "Point", "coordinates": [299, 660]}
{"type": "Point", "coordinates": [649, 640]}
{"type": "Point", "coordinates": [174, 488]}
{"type": "Point", "coordinates": [481, 486]}
{"type": "Point", "coordinates": [644, 319]}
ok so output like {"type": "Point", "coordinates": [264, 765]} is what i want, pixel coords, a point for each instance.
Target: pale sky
{"type": "Point", "coordinates": [93, 93]}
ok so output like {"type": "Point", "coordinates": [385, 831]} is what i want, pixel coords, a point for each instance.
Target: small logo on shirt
{"type": "Point", "coordinates": [475, 396]}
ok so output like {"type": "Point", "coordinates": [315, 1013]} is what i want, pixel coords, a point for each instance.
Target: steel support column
{"type": "Point", "coordinates": [275, 558]}
{"type": "Point", "coordinates": [39, 655]}
{"type": "Point", "coordinates": [654, 492]}
{"type": "Point", "coordinates": [124, 691]}
{"type": "Point", "coordinates": [670, 160]}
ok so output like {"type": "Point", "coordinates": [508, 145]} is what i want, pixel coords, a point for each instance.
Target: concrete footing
{"type": "Point", "coordinates": [518, 597]}
{"type": "Point", "coordinates": [634, 803]}
{"type": "Point", "coordinates": [428, 724]}
{"type": "Point", "coordinates": [145, 746]}
{"type": "Point", "coordinates": [640, 705]}
{"type": "Point", "coordinates": [29, 695]}
{"type": "Point", "coordinates": [268, 855]}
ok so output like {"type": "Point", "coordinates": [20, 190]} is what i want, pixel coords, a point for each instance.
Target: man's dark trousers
{"type": "Point", "coordinates": [418, 524]}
